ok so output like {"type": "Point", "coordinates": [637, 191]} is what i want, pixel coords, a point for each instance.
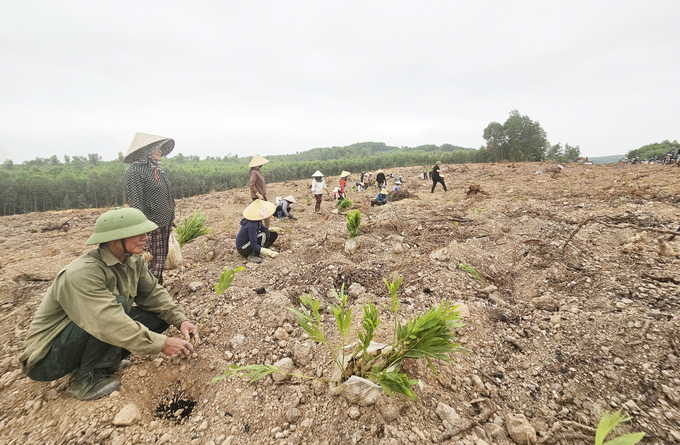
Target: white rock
{"type": "Point", "coordinates": [285, 365]}
{"type": "Point", "coordinates": [195, 285]}
{"type": "Point", "coordinates": [237, 340]}
{"type": "Point", "coordinates": [462, 309]}
{"type": "Point", "coordinates": [220, 439]}
{"type": "Point", "coordinates": [449, 416]}
{"type": "Point", "coordinates": [127, 416]}
{"type": "Point", "coordinates": [292, 415]}
{"type": "Point", "coordinates": [519, 429]}
{"type": "Point", "coordinates": [354, 413]}
{"type": "Point", "coordinates": [356, 290]}
{"type": "Point", "coordinates": [302, 353]}
{"type": "Point", "coordinates": [281, 334]}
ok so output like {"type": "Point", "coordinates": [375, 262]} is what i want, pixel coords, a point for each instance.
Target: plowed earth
{"type": "Point", "coordinates": [576, 312]}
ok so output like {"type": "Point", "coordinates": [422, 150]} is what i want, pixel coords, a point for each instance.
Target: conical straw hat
{"type": "Point", "coordinates": [379, 171]}
{"type": "Point", "coordinates": [344, 173]}
{"type": "Point", "coordinates": [257, 161]}
{"type": "Point", "coordinates": [143, 144]}
{"type": "Point", "coordinates": [383, 192]}
{"type": "Point", "coordinates": [259, 210]}
{"type": "Point", "coordinates": [317, 173]}
{"type": "Point", "coordinates": [290, 198]}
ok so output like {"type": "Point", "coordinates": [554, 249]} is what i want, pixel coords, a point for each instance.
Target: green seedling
{"type": "Point", "coordinates": [353, 223]}
{"type": "Point", "coordinates": [191, 228]}
{"type": "Point", "coordinates": [480, 210]}
{"type": "Point", "coordinates": [430, 335]}
{"type": "Point", "coordinates": [221, 287]}
{"type": "Point", "coordinates": [608, 423]}
{"type": "Point", "coordinates": [471, 270]}
{"type": "Point", "coordinates": [345, 204]}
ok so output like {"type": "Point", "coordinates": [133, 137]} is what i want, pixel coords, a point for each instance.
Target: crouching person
{"type": "Point", "coordinates": [254, 238]}
{"type": "Point", "coordinates": [87, 324]}
{"type": "Point", "coordinates": [380, 199]}
{"type": "Point", "coordinates": [283, 208]}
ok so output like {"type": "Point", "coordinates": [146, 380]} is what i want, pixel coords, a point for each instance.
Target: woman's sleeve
{"type": "Point", "coordinates": [252, 237]}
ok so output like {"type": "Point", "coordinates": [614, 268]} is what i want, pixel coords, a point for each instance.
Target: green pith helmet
{"type": "Point", "coordinates": [120, 224]}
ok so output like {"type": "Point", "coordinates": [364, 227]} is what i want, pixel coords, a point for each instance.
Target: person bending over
{"type": "Point", "coordinates": [254, 238]}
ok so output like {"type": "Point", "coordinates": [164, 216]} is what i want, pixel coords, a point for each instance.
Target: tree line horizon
{"type": "Point", "coordinates": [45, 184]}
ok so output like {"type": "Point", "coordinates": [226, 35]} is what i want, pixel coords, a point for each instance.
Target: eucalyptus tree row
{"type": "Point", "coordinates": [47, 184]}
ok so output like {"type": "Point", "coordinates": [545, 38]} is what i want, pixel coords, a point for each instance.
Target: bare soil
{"type": "Point", "coordinates": [576, 313]}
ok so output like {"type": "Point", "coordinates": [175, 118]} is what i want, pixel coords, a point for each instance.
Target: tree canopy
{"type": "Point", "coordinates": [658, 149]}
{"type": "Point", "coordinates": [518, 139]}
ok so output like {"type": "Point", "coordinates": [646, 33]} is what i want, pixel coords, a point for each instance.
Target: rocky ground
{"type": "Point", "coordinates": [575, 312]}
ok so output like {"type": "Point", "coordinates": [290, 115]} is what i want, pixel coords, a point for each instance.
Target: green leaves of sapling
{"type": "Point", "coordinates": [371, 322]}
{"type": "Point", "coordinates": [607, 425]}
{"type": "Point", "coordinates": [310, 321]}
{"type": "Point", "coordinates": [226, 278]}
{"type": "Point", "coordinates": [255, 372]}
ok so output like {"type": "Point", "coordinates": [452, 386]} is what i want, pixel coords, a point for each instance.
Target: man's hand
{"type": "Point", "coordinates": [176, 347]}
{"type": "Point", "coordinates": [276, 229]}
{"type": "Point", "coordinates": [188, 330]}
{"type": "Point", "coordinates": [268, 252]}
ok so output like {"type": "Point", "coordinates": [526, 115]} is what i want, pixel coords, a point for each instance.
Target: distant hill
{"type": "Point", "coordinates": [611, 159]}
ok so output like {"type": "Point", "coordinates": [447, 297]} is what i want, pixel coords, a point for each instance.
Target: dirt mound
{"type": "Point", "coordinates": [569, 281]}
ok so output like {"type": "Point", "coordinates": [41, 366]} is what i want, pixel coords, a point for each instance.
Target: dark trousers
{"type": "Point", "coordinates": [74, 348]}
{"type": "Point", "coordinates": [437, 180]}
{"type": "Point", "coordinates": [265, 239]}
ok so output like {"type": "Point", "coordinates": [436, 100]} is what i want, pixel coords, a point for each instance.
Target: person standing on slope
{"type": "Point", "coordinates": [149, 190]}
{"type": "Point", "coordinates": [318, 187]}
{"type": "Point", "coordinates": [436, 177]}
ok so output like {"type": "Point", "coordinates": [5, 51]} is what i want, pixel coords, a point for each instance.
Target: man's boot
{"type": "Point", "coordinates": [93, 384]}
{"type": "Point", "coordinates": [317, 207]}
{"type": "Point", "coordinates": [254, 258]}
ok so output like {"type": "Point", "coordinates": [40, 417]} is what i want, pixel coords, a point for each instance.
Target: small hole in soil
{"type": "Point", "coordinates": [175, 407]}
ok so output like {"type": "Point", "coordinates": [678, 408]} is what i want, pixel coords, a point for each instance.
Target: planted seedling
{"type": "Point", "coordinates": [608, 423]}
{"type": "Point", "coordinates": [353, 223]}
{"type": "Point", "coordinates": [471, 270]}
{"type": "Point", "coordinates": [430, 335]}
{"type": "Point", "coordinates": [221, 287]}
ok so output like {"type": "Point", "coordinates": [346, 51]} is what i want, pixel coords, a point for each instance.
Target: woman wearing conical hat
{"type": "Point", "coordinates": [254, 238]}
{"type": "Point", "coordinates": [343, 184]}
{"type": "Point", "coordinates": [380, 179]}
{"type": "Point", "coordinates": [258, 189]}
{"type": "Point", "coordinates": [380, 199]}
{"type": "Point", "coordinates": [318, 186]}
{"type": "Point", "coordinates": [283, 208]}
{"type": "Point", "coordinates": [148, 190]}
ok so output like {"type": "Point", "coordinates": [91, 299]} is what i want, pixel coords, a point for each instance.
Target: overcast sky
{"type": "Point", "coordinates": [276, 77]}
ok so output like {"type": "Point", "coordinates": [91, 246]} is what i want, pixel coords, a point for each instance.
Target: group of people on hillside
{"type": "Point", "coordinates": [108, 303]}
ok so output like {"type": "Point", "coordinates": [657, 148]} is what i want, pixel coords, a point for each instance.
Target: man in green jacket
{"type": "Point", "coordinates": [87, 324]}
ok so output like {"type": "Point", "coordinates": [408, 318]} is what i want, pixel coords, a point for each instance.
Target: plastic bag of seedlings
{"type": "Point", "coordinates": [359, 390]}
{"type": "Point", "coordinates": [174, 258]}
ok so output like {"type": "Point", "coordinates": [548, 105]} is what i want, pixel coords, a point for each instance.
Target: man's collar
{"type": "Point", "coordinates": [108, 257]}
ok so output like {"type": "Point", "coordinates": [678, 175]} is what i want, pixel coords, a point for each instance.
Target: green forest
{"type": "Point", "coordinates": [55, 183]}
{"type": "Point", "coordinates": [656, 150]}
